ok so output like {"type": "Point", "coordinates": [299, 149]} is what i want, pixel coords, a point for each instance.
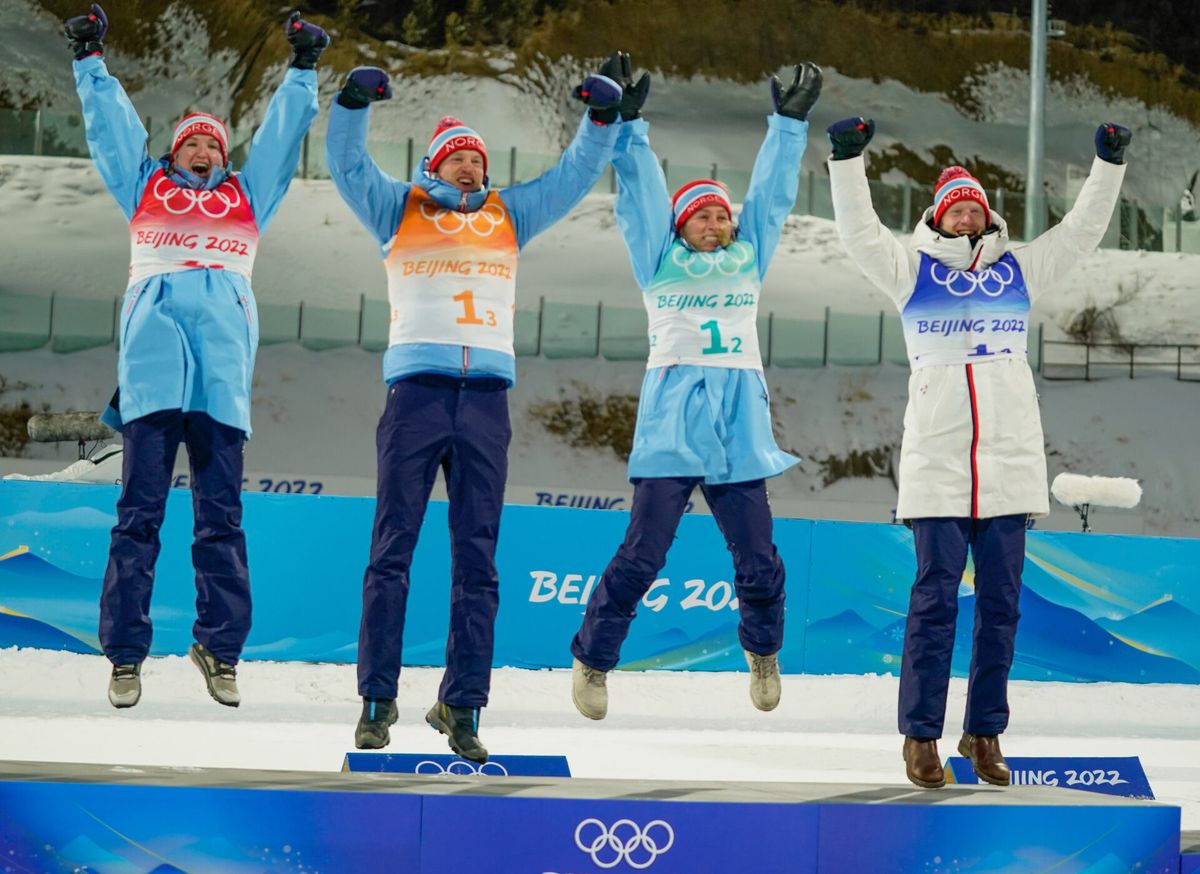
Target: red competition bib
{"type": "Point", "coordinates": [178, 229]}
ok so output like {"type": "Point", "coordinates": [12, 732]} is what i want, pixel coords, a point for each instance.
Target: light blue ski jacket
{"type": "Point", "coordinates": [713, 423]}
{"type": "Point", "coordinates": [378, 200]}
{"type": "Point", "coordinates": [188, 339]}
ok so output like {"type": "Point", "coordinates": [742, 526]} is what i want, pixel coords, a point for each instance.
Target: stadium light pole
{"type": "Point", "coordinates": [1035, 198]}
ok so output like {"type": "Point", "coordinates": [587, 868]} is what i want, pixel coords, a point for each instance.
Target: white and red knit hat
{"type": "Point", "coordinates": [203, 124]}
{"type": "Point", "coordinates": [955, 185]}
{"type": "Point", "coordinates": [697, 195]}
{"type": "Point", "coordinates": [450, 136]}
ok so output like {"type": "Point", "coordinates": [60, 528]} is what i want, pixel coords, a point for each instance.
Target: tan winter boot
{"type": "Point", "coordinates": [589, 690]}
{"type": "Point", "coordinates": [765, 685]}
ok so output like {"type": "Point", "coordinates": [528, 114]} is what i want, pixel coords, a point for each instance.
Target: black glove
{"type": "Point", "coordinates": [850, 136]}
{"type": "Point", "coordinates": [308, 41]}
{"type": "Point", "coordinates": [364, 85]}
{"type": "Point", "coordinates": [633, 96]}
{"type": "Point", "coordinates": [1111, 140]}
{"type": "Point", "coordinates": [602, 96]}
{"type": "Point", "coordinates": [798, 99]}
{"type": "Point", "coordinates": [84, 33]}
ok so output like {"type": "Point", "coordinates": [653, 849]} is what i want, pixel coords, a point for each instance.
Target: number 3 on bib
{"type": "Point", "coordinates": [715, 347]}
{"type": "Point", "coordinates": [469, 316]}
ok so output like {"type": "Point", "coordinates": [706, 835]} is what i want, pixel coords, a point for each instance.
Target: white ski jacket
{"type": "Point", "coordinates": [973, 445]}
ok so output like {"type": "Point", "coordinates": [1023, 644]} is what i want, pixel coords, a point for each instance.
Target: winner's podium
{"type": "Point", "coordinates": [134, 820]}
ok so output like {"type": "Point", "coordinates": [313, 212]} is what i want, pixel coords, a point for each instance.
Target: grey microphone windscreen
{"type": "Point", "coordinates": [53, 427]}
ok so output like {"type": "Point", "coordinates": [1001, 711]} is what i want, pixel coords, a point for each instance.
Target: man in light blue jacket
{"type": "Point", "coordinates": [189, 331]}
{"type": "Point", "coordinates": [450, 244]}
{"type": "Point", "coordinates": [703, 417]}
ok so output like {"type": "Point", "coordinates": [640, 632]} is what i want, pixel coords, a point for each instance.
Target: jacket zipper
{"type": "Point", "coordinates": [974, 441]}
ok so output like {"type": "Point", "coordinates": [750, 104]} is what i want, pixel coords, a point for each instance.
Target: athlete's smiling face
{"type": "Point", "coordinates": [463, 169]}
{"type": "Point", "coordinates": [199, 154]}
{"type": "Point", "coordinates": [965, 219]}
{"type": "Point", "coordinates": [708, 229]}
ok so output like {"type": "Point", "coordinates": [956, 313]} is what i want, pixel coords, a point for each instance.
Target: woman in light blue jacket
{"type": "Point", "coordinates": [189, 330]}
{"type": "Point", "coordinates": [703, 418]}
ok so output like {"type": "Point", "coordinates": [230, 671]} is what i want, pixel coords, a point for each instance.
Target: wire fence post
{"type": "Point", "coordinates": [408, 166]}
{"type": "Point", "coordinates": [304, 159]}
{"type": "Point", "coordinates": [37, 131]}
{"type": "Point", "coordinates": [1087, 362]}
{"type": "Point", "coordinates": [881, 315]}
{"type": "Point", "coordinates": [541, 318]}
{"type": "Point", "coordinates": [599, 325]}
{"type": "Point", "coordinates": [512, 166]}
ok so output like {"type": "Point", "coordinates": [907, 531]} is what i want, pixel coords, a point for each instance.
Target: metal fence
{"type": "Point", "coordinates": [899, 205]}
{"type": "Point", "coordinates": [1063, 359]}
{"type": "Point", "coordinates": [553, 330]}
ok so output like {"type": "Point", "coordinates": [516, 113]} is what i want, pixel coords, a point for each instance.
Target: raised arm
{"type": "Point", "coordinates": [876, 251]}
{"type": "Point", "coordinates": [643, 206]}
{"type": "Point", "coordinates": [1046, 259]}
{"type": "Point", "coordinates": [275, 151]}
{"type": "Point", "coordinates": [539, 203]}
{"type": "Point", "coordinates": [776, 176]}
{"type": "Point", "coordinates": [116, 136]}
{"type": "Point", "coordinates": [372, 195]}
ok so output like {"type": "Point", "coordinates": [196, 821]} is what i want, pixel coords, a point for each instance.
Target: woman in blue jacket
{"type": "Point", "coordinates": [703, 418]}
{"type": "Point", "coordinates": [189, 330]}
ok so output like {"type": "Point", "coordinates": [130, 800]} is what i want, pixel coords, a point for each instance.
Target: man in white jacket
{"type": "Point", "coordinates": [972, 462]}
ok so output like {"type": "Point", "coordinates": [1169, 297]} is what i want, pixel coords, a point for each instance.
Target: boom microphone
{"type": "Point", "coordinates": [75, 427]}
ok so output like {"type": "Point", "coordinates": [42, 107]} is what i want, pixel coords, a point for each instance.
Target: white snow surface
{"type": "Point", "coordinates": [661, 724]}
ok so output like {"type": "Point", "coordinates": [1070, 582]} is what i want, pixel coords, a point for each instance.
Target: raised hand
{"type": "Point", "coordinates": [1111, 140]}
{"type": "Point", "coordinates": [307, 40]}
{"type": "Point", "coordinates": [798, 98]}
{"type": "Point", "coordinates": [85, 32]}
{"type": "Point", "coordinates": [850, 136]}
{"type": "Point", "coordinates": [633, 95]}
{"type": "Point", "coordinates": [364, 85]}
{"type": "Point", "coordinates": [602, 96]}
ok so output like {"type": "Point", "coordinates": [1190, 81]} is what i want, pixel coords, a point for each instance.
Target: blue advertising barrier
{"type": "Point", "coordinates": [445, 764]}
{"type": "Point", "coordinates": [1094, 607]}
{"type": "Point", "coordinates": [1108, 775]}
{"type": "Point", "coordinates": [148, 820]}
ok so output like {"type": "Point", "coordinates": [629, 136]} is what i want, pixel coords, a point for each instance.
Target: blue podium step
{"type": "Point", "coordinates": [136, 820]}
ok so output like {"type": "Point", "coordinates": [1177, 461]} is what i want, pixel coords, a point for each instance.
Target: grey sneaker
{"type": "Point", "coordinates": [220, 678]}
{"type": "Point", "coordinates": [125, 685]}
{"type": "Point", "coordinates": [765, 687]}
{"type": "Point", "coordinates": [589, 690]}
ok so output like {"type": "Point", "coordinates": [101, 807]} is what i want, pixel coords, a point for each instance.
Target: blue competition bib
{"type": "Point", "coordinates": [960, 316]}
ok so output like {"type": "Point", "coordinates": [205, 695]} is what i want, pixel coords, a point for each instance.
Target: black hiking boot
{"type": "Point", "coordinates": [372, 730]}
{"type": "Point", "coordinates": [461, 727]}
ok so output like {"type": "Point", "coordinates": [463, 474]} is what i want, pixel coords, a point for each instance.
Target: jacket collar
{"type": "Point", "coordinates": [957, 252]}
{"type": "Point", "coordinates": [445, 194]}
{"type": "Point", "coordinates": [186, 179]}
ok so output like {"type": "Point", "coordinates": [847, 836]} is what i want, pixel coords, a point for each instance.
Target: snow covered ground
{"type": "Point", "coordinates": [661, 724]}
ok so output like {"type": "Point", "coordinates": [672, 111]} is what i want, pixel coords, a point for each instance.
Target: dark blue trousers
{"type": "Point", "coordinates": [462, 427]}
{"type": "Point", "coordinates": [742, 513]}
{"type": "Point", "coordinates": [219, 545]}
{"type": "Point", "coordinates": [998, 547]}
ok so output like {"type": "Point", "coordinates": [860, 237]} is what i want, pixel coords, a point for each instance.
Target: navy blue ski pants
{"type": "Point", "coordinates": [998, 547]}
{"type": "Point", "coordinates": [462, 427]}
{"type": "Point", "coordinates": [218, 549]}
{"type": "Point", "coordinates": [741, 512]}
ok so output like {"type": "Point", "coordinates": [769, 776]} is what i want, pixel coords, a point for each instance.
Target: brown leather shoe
{"type": "Point", "coordinates": [984, 752]}
{"type": "Point", "coordinates": [922, 764]}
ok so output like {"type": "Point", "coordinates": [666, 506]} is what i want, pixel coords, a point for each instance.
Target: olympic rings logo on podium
{"type": "Point", "coordinates": [180, 201]}
{"type": "Point", "coordinates": [450, 222]}
{"type": "Point", "coordinates": [461, 768]}
{"type": "Point", "coordinates": [727, 261]}
{"type": "Point", "coordinates": [991, 282]}
{"type": "Point", "coordinates": [625, 841]}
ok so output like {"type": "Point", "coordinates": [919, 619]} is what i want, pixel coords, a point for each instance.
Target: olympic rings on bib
{"type": "Point", "coordinates": [180, 201]}
{"type": "Point", "coordinates": [727, 261]}
{"type": "Point", "coordinates": [991, 281]}
{"type": "Point", "coordinates": [449, 221]}
{"type": "Point", "coordinates": [625, 841]}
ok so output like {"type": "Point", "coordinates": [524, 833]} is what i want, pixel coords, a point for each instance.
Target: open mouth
{"type": "Point", "coordinates": [201, 169]}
